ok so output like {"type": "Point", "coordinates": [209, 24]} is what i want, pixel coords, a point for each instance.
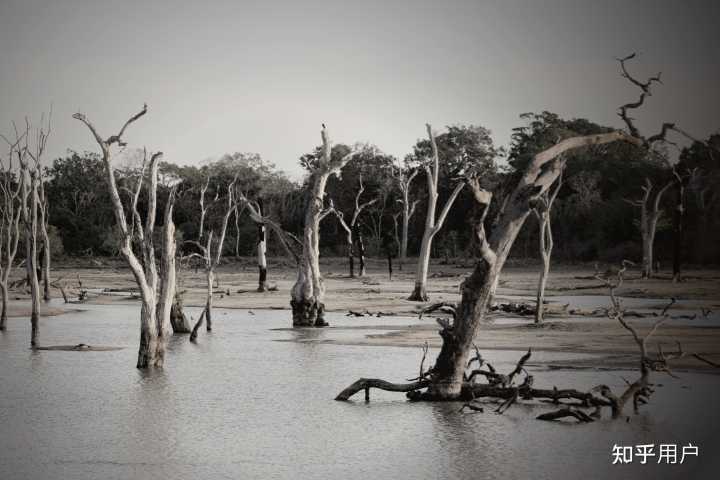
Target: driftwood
{"type": "Point", "coordinates": [581, 416]}
{"type": "Point", "coordinates": [584, 406]}
{"type": "Point", "coordinates": [80, 347]}
{"type": "Point", "coordinates": [368, 313]}
{"type": "Point", "coordinates": [198, 324]}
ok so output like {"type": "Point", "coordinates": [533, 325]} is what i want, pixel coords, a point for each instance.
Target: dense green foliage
{"type": "Point", "coordinates": [592, 218]}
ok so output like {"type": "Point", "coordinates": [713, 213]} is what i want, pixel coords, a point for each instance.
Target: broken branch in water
{"type": "Point", "coordinates": [574, 403]}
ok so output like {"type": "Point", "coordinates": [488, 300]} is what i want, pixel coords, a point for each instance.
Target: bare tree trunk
{"type": "Point", "coordinates": [12, 196]}
{"type": "Point", "coordinates": [209, 300]}
{"type": "Point", "coordinates": [360, 249]}
{"type": "Point", "coordinates": [405, 179]}
{"type": "Point", "coordinates": [419, 293]}
{"type": "Point", "coordinates": [404, 241]}
{"type": "Point", "coordinates": [5, 300]}
{"type": "Point", "coordinates": [648, 224]}
{"type": "Point", "coordinates": [168, 305]}
{"type": "Point", "coordinates": [542, 282]}
{"type": "Point", "coordinates": [156, 293]}
{"type": "Point", "coordinates": [237, 234]}
{"type": "Point", "coordinates": [306, 296]}
{"type": "Point", "coordinates": [261, 257]}
{"type": "Point", "coordinates": [678, 226]}
{"type": "Point", "coordinates": [308, 293]}
{"type": "Point", "coordinates": [352, 230]}
{"type": "Point", "coordinates": [31, 224]}
{"type": "Point", "coordinates": [178, 319]}
{"type": "Point", "coordinates": [212, 258]}
{"type": "Point", "coordinates": [44, 213]}
{"type": "Point", "coordinates": [147, 353]}
{"type": "Point", "coordinates": [477, 289]}
{"type": "Point", "coordinates": [432, 226]}
{"type": "Point", "coordinates": [543, 210]}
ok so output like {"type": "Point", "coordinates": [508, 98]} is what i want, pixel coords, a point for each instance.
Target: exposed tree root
{"type": "Point", "coordinates": [584, 406]}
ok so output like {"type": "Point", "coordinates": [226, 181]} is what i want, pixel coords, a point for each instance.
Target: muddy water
{"type": "Point", "coordinates": [243, 404]}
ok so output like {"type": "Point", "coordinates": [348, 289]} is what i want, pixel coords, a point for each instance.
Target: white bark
{"type": "Point", "coordinates": [432, 225]}
{"type": "Point", "coordinates": [404, 180]}
{"type": "Point", "coordinates": [262, 258]}
{"type": "Point", "coordinates": [30, 223]}
{"type": "Point", "coordinates": [542, 211]}
{"type": "Point", "coordinates": [351, 228]}
{"type": "Point", "coordinates": [477, 290]}
{"type": "Point", "coordinates": [649, 216]}
{"type": "Point", "coordinates": [10, 213]}
{"type": "Point", "coordinates": [210, 256]}
{"type": "Point", "coordinates": [153, 328]}
{"type": "Point", "coordinates": [308, 293]}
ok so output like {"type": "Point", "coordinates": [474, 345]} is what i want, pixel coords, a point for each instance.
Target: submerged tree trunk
{"type": "Point", "coordinates": [306, 296]}
{"type": "Point", "coordinates": [419, 293]}
{"type": "Point", "coordinates": [432, 226]}
{"type": "Point", "coordinates": [209, 300]}
{"type": "Point", "coordinates": [30, 222]}
{"type": "Point", "coordinates": [477, 290]}
{"type": "Point", "coordinates": [148, 351]}
{"type": "Point", "coordinates": [43, 220]}
{"type": "Point", "coordinates": [156, 293]}
{"type": "Point", "coordinates": [308, 293]}
{"type": "Point", "coordinates": [3, 310]}
{"type": "Point", "coordinates": [262, 259]}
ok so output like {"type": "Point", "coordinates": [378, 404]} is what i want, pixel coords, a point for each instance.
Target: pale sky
{"type": "Point", "coordinates": [226, 76]}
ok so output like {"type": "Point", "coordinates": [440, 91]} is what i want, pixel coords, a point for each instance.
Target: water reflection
{"type": "Point", "coordinates": [239, 404]}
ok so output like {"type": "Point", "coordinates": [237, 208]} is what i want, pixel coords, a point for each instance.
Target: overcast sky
{"type": "Point", "coordinates": [226, 76]}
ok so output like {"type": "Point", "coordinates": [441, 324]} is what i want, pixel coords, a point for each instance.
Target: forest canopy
{"type": "Point", "coordinates": [593, 217]}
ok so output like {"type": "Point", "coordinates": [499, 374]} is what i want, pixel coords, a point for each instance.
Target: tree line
{"type": "Point", "coordinates": [595, 217]}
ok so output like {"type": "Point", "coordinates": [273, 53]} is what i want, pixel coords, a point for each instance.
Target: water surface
{"type": "Point", "coordinates": [241, 404]}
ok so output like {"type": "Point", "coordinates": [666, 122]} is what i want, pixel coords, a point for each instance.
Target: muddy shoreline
{"type": "Point", "coordinates": [107, 281]}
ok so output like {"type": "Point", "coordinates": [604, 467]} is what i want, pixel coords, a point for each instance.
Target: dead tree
{"type": "Point", "coordinates": [584, 406]}
{"type": "Point", "coordinates": [203, 207]}
{"type": "Point", "coordinates": [308, 293]}
{"type": "Point", "coordinates": [432, 225]}
{"type": "Point", "coordinates": [36, 153]}
{"type": "Point", "coordinates": [352, 230]}
{"type": "Point", "coordinates": [156, 291]}
{"type": "Point", "coordinates": [680, 182]}
{"type": "Point", "coordinates": [29, 206]}
{"type": "Point", "coordinates": [649, 218]}
{"type": "Point", "coordinates": [291, 244]}
{"type": "Point", "coordinates": [261, 253]}
{"type": "Point", "coordinates": [445, 381]}
{"type": "Point", "coordinates": [542, 210]}
{"type": "Point", "coordinates": [12, 202]}
{"type": "Point", "coordinates": [178, 319]}
{"type": "Point", "coordinates": [404, 179]}
{"type": "Point", "coordinates": [211, 258]}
